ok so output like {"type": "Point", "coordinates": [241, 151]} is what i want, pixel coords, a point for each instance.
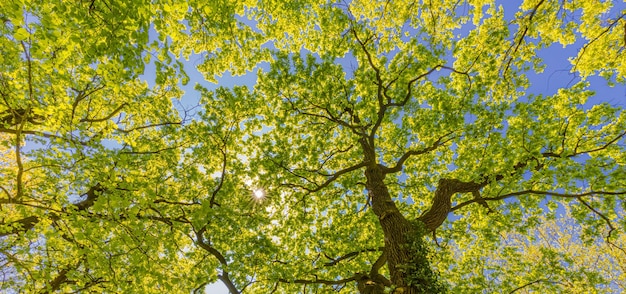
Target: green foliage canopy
{"type": "Point", "coordinates": [370, 123]}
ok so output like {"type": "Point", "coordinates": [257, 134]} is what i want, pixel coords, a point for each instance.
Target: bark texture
{"type": "Point", "coordinates": [398, 231]}
{"type": "Point", "coordinates": [395, 227]}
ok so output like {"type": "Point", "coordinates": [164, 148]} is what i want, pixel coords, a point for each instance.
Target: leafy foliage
{"type": "Point", "coordinates": [368, 121]}
{"type": "Point", "coordinates": [419, 270]}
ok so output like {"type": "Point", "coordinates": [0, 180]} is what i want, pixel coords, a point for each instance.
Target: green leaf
{"type": "Point", "coordinates": [21, 34]}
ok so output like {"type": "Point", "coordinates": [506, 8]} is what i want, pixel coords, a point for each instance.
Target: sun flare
{"type": "Point", "coordinates": [258, 194]}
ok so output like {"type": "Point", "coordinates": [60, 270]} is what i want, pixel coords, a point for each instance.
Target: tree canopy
{"type": "Point", "coordinates": [384, 147]}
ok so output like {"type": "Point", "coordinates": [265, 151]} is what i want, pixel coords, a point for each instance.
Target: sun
{"type": "Point", "coordinates": [258, 194]}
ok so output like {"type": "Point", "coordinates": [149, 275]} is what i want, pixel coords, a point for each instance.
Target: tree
{"type": "Point", "coordinates": [389, 146]}
{"type": "Point", "coordinates": [555, 255]}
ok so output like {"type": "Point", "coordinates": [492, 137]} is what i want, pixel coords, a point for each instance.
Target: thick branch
{"type": "Point", "coordinates": [14, 117]}
{"type": "Point", "coordinates": [362, 279]}
{"type": "Point", "coordinates": [59, 280]}
{"type": "Point", "coordinates": [224, 277]}
{"type": "Point", "coordinates": [28, 223]}
{"type": "Point", "coordinates": [56, 283]}
{"type": "Point", "coordinates": [379, 263]}
{"type": "Point", "coordinates": [92, 195]}
{"type": "Point", "coordinates": [21, 225]}
{"type": "Point", "coordinates": [441, 204]}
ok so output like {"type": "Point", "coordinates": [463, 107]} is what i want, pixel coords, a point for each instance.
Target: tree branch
{"type": "Point", "coordinates": [27, 223]}
{"type": "Point", "coordinates": [334, 261]}
{"type": "Point", "coordinates": [224, 277]}
{"type": "Point", "coordinates": [526, 192]}
{"type": "Point", "coordinates": [148, 126]}
{"type": "Point", "coordinates": [399, 164]}
{"type": "Point", "coordinates": [19, 226]}
{"type": "Point", "coordinates": [224, 152]}
{"type": "Point", "coordinates": [407, 97]}
{"type": "Point", "coordinates": [328, 181]}
{"type": "Point", "coordinates": [379, 87]}
{"type": "Point", "coordinates": [576, 152]}
{"type": "Point", "coordinates": [529, 284]}
{"type": "Point", "coordinates": [608, 223]}
{"type": "Point", "coordinates": [608, 28]}
{"type": "Point", "coordinates": [319, 281]}
{"type": "Point", "coordinates": [113, 113]}
{"type": "Point", "coordinates": [59, 280]}
{"type": "Point", "coordinates": [523, 35]}
{"type": "Point", "coordinates": [441, 204]}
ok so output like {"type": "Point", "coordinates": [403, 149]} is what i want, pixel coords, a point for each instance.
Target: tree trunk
{"type": "Point", "coordinates": [400, 235]}
{"type": "Point", "coordinates": [395, 228]}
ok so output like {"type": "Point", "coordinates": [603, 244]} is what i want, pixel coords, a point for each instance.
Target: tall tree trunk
{"type": "Point", "coordinates": [395, 228]}
{"type": "Point", "coordinates": [400, 235]}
